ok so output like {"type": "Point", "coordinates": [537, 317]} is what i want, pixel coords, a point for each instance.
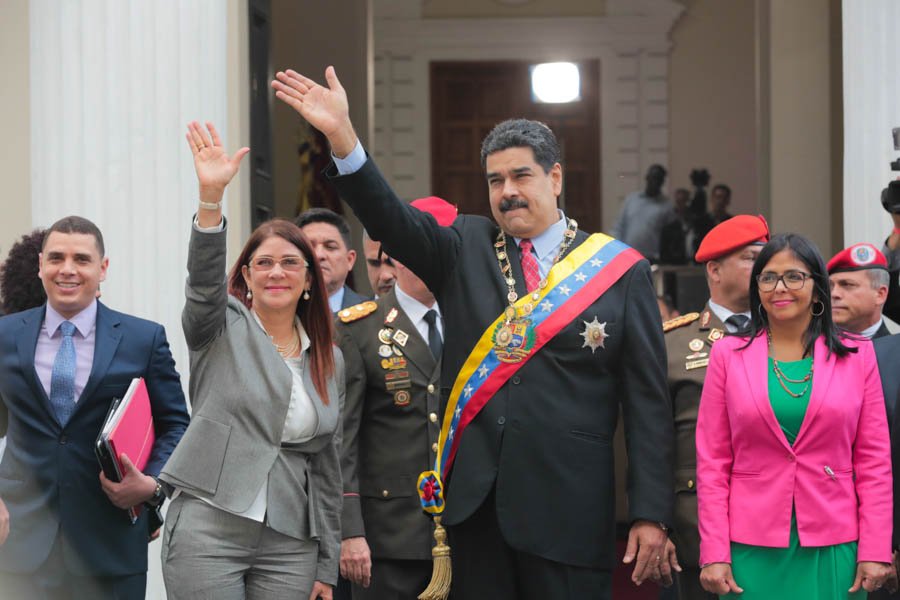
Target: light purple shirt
{"type": "Point", "coordinates": [50, 339]}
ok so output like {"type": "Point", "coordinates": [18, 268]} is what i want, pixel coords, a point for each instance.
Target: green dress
{"type": "Point", "coordinates": [795, 572]}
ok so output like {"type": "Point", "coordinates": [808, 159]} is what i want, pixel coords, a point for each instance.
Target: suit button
{"type": "Point", "coordinates": [516, 380]}
{"type": "Point", "coordinates": [63, 440]}
{"type": "Point", "coordinates": [432, 417]}
{"type": "Point", "coordinates": [434, 447]}
{"type": "Point", "coordinates": [501, 420]}
{"type": "Point", "coordinates": [385, 493]}
{"type": "Point", "coordinates": [690, 484]}
{"type": "Point", "coordinates": [430, 388]}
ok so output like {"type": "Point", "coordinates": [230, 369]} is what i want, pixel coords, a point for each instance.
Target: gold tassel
{"type": "Point", "coordinates": [441, 574]}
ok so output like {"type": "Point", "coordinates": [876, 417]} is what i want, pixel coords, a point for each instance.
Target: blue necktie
{"type": "Point", "coordinates": [62, 379]}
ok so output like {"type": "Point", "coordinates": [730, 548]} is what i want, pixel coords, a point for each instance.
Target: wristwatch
{"type": "Point", "coordinates": [158, 496]}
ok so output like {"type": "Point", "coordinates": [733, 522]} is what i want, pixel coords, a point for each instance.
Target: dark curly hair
{"type": "Point", "coordinates": [20, 286]}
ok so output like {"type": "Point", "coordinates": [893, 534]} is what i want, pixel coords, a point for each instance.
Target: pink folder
{"type": "Point", "coordinates": [129, 430]}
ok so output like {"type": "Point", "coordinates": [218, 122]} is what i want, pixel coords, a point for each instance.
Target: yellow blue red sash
{"type": "Point", "coordinates": [573, 284]}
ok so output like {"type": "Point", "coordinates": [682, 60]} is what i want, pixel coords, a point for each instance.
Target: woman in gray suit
{"type": "Point", "coordinates": [256, 479]}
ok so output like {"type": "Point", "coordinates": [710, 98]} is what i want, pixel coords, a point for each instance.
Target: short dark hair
{"type": "Point", "coordinates": [523, 133]}
{"type": "Point", "coordinates": [724, 188]}
{"type": "Point", "coordinates": [324, 215]}
{"type": "Point", "coordinates": [820, 324]}
{"type": "Point", "coordinates": [20, 286]}
{"type": "Point", "coordinates": [76, 224]}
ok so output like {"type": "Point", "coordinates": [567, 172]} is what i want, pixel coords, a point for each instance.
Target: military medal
{"type": "Point", "coordinates": [514, 338]}
{"type": "Point", "coordinates": [594, 335]}
{"type": "Point", "coordinates": [704, 319]}
{"type": "Point", "coordinates": [400, 337]}
{"type": "Point", "coordinates": [696, 364]}
{"type": "Point", "coordinates": [393, 363]}
{"type": "Point", "coordinates": [384, 351]}
{"type": "Point", "coordinates": [401, 398]}
{"type": "Point", "coordinates": [715, 335]}
{"type": "Point", "coordinates": [391, 316]}
{"type": "Point", "coordinates": [696, 345]}
{"type": "Point", "coordinates": [384, 336]}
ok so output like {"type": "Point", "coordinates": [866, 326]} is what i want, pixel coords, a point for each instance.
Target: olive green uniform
{"type": "Point", "coordinates": [688, 341]}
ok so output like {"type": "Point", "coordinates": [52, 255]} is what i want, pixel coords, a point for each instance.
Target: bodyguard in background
{"type": "Point", "coordinates": [66, 533]}
{"type": "Point", "coordinates": [391, 424]}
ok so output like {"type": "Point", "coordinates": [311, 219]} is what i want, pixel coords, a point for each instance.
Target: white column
{"type": "Point", "coordinates": [871, 109]}
{"type": "Point", "coordinates": [113, 85]}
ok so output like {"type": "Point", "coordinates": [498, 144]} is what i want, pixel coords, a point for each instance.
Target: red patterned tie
{"type": "Point", "coordinates": [529, 265]}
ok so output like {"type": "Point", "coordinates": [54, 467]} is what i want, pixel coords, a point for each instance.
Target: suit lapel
{"type": "Point", "coordinates": [106, 340]}
{"type": "Point", "coordinates": [823, 369]}
{"type": "Point", "coordinates": [756, 367]}
{"type": "Point", "coordinates": [26, 343]}
{"type": "Point", "coordinates": [416, 349]}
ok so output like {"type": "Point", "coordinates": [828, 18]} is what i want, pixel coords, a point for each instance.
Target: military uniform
{"type": "Point", "coordinates": [689, 339]}
{"type": "Point", "coordinates": [391, 427]}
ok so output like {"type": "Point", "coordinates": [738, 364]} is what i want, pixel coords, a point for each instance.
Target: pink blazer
{"type": "Point", "coordinates": [749, 477]}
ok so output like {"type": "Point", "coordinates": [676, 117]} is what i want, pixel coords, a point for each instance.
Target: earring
{"type": "Point", "coordinates": [306, 294]}
{"type": "Point", "coordinates": [821, 309]}
{"type": "Point", "coordinates": [761, 311]}
{"type": "Point", "coordinates": [249, 295]}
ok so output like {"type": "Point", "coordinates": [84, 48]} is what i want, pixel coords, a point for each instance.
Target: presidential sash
{"type": "Point", "coordinates": [573, 284]}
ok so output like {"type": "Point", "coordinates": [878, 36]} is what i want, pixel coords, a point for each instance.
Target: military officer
{"type": "Point", "coordinates": [392, 350]}
{"type": "Point", "coordinates": [727, 252]}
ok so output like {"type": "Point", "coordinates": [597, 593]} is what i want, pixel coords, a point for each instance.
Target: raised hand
{"type": "Point", "coordinates": [326, 109]}
{"type": "Point", "coordinates": [215, 169]}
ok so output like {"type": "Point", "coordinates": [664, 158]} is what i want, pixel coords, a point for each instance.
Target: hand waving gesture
{"type": "Point", "coordinates": [326, 109]}
{"type": "Point", "coordinates": [214, 167]}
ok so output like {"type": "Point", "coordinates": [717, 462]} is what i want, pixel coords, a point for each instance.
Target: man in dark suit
{"type": "Point", "coordinates": [391, 423]}
{"type": "Point", "coordinates": [859, 288]}
{"type": "Point", "coordinates": [61, 365]}
{"type": "Point", "coordinates": [530, 494]}
{"type": "Point", "coordinates": [329, 235]}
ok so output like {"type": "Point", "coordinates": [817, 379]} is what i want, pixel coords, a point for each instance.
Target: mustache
{"type": "Point", "coordinates": [508, 204]}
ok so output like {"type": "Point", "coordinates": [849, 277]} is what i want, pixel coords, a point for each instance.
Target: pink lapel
{"type": "Point", "coordinates": [756, 366]}
{"type": "Point", "coordinates": [823, 369]}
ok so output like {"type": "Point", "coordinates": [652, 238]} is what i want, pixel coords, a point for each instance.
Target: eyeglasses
{"type": "Point", "coordinates": [793, 280]}
{"type": "Point", "coordinates": [288, 263]}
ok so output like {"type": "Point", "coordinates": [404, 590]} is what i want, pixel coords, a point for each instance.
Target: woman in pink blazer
{"type": "Point", "coordinates": [793, 455]}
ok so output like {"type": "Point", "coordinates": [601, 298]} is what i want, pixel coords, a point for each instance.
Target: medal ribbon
{"type": "Point", "coordinates": [573, 284]}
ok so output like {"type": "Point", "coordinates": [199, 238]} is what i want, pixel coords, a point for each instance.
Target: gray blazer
{"type": "Point", "coordinates": [240, 389]}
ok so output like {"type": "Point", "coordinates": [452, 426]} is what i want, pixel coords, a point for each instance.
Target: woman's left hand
{"type": "Point", "coordinates": [872, 576]}
{"type": "Point", "coordinates": [320, 591]}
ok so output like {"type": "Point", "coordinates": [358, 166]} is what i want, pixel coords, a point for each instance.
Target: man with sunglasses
{"type": "Point", "coordinates": [727, 253]}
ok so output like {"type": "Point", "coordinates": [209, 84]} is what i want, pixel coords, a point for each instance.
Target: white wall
{"type": "Point", "coordinates": [871, 109]}
{"type": "Point", "coordinates": [15, 158]}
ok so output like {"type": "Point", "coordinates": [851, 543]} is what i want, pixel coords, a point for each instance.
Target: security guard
{"type": "Point", "coordinates": [727, 252]}
{"type": "Point", "coordinates": [392, 351]}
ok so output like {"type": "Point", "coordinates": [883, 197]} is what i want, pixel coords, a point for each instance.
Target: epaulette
{"type": "Point", "coordinates": [355, 313]}
{"type": "Point", "coordinates": [680, 321]}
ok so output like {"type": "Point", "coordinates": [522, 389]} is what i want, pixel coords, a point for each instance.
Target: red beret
{"type": "Point", "coordinates": [856, 258]}
{"type": "Point", "coordinates": [732, 234]}
{"type": "Point", "coordinates": [442, 211]}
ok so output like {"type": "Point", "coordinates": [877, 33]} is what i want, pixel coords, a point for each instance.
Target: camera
{"type": "Point", "coordinates": [890, 196]}
{"type": "Point", "coordinates": [700, 177]}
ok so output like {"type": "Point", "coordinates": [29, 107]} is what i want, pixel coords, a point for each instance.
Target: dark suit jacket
{"type": "Point", "coordinates": [543, 442]}
{"type": "Point", "coordinates": [49, 477]}
{"type": "Point", "coordinates": [882, 331]}
{"type": "Point", "coordinates": [887, 351]}
{"type": "Point", "coordinates": [388, 438]}
{"type": "Point", "coordinates": [351, 298]}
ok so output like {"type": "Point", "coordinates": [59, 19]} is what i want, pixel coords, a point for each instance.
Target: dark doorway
{"type": "Point", "coordinates": [469, 98]}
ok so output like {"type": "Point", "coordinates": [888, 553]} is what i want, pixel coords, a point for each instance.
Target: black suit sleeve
{"type": "Point", "coordinates": [170, 417]}
{"type": "Point", "coordinates": [409, 235]}
{"type": "Point", "coordinates": [649, 435]}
